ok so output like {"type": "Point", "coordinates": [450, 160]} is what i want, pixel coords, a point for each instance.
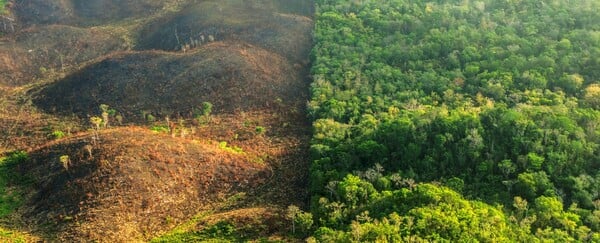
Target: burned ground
{"type": "Point", "coordinates": [83, 12]}
{"type": "Point", "coordinates": [35, 52]}
{"type": "Point", "coordinates": [133, 176]}
{"type": "Point", "coordinates": [164, 58]}
{"type": "Point", "coordinates": [262, 25]}
{"type": "Point", "coordinates": [232, 76]}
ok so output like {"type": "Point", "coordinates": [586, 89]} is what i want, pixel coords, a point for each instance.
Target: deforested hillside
{"type": "Point", "coordinates": [285, 32]}
{"type": "Point", "coordinates": [232, 76]}
{"type": "Point", "coordinates": [126, 121]}
{"type": "Point", "coordinates": [132, 176]}
{"type": "Point", "coordinates": [84, 13]}
{"type": "Point", "coordinates": [37, 52]}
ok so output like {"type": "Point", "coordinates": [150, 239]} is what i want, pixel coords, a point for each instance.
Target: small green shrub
{"type": "Point", "coordinates": [206, 108]}
{"type": "Point", "coordinates": [160, 129]}
{"type": "Point", "coordinates": [202, 113]}
{"type": "Point", "coordinates": [150, 118]}
{"type": "Point", "coordinates": [65, 161]}
{"type": "Point", "coordinates": [235, 149]}
{"type": "Point", "coordinates": [7, 235]}
{"type": "Point", "coordinates": [57, 134]}
{"type": "Point", "coordinates": [260, 130]}
{"type": "Point", "coordinates": [11, 182]}
{"type": "Point", "coordinates": [96, 121]}
{"type": "Point", "coordinates": [2, 4]}
{"type": "Point", "coordinates": [222, 231]}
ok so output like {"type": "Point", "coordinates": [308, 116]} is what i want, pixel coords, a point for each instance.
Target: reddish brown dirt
{"type": "Point", "coordinates": [138, 184]}
{"type": "Point", "coordinates": [37, 52]}
{"type": "Point", "coordinates": [134, 177]}
{"type": "Point", "coordinates": [283, 147]}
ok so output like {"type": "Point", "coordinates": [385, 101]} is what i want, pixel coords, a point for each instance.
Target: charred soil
{"type": "Point", "coordinates": [157, 64]}
{"type": "Point", "coordinates": [232, 76]}
{"type": "Point", "coordinates": [131, 176]}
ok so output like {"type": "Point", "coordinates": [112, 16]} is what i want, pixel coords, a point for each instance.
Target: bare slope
{"type": "Point", "coordinates": [84, 12]}
{"type": "Point", "coordinates": [131, 182]}
{"type": "Point", "coordinates": [255, 22]}
{"type": "Point", "coordinates": [231, 76]}
{"type": "Point", "coordinates": [136, 184]}
{"type": "Point", "coordinates": [35, 52]}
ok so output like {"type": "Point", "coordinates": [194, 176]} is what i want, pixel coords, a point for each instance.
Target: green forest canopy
{"type": "Point", "coordinates": [456, 120]}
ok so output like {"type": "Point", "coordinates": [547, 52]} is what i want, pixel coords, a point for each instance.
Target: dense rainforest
{"type": "Point", "coordinates": [456, 120]}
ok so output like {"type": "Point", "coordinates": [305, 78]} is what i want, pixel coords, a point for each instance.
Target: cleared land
{"type": "Point", "coordinates": [165, 163]}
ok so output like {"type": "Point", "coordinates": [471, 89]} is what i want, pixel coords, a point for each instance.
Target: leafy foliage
{"type": "Point", "coordinates": [57, 134]}
{"type": "Point", "coordinates": [160, 129]}
{"type": "Point", "coordinates": [220, 232]}
{"type": "Point", "coordinates": [11, 183]}
{"type": "Point", "coordinates": [2, 4]}
{"type": "Point", "coordinates": [495, 99]}
{"type": "Point", "coordinates": [13, 236]}
{"type": "Point", "coordinates": [231, 149]}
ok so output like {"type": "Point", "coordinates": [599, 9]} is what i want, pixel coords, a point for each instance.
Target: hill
{"type": "Point", "coordinates": [145, 181]}
{"type": "Point", "coordinates": [84, 13]}
{"type": "Point", "coordinates": [40, 51]}
{"type": "Point", "coordinates": [120, 126]}
{"type": "Point", "coordinates": [271, 25]}
{"type": "Point", "coordinates": [231, 76]}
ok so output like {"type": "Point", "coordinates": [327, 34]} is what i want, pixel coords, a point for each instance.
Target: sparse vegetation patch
{"type": "Point", "coordinates": [2, 6]}
{"type": "Point", "coordinates": [11, 183]}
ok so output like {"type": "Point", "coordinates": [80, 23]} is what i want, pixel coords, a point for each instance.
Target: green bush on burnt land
{"type": "Point", "coordinates": [456, 120]}
{"type": "Point", "coordinates": [11, 183]}
{"type": "Point", "coordinates": [2, 5]}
